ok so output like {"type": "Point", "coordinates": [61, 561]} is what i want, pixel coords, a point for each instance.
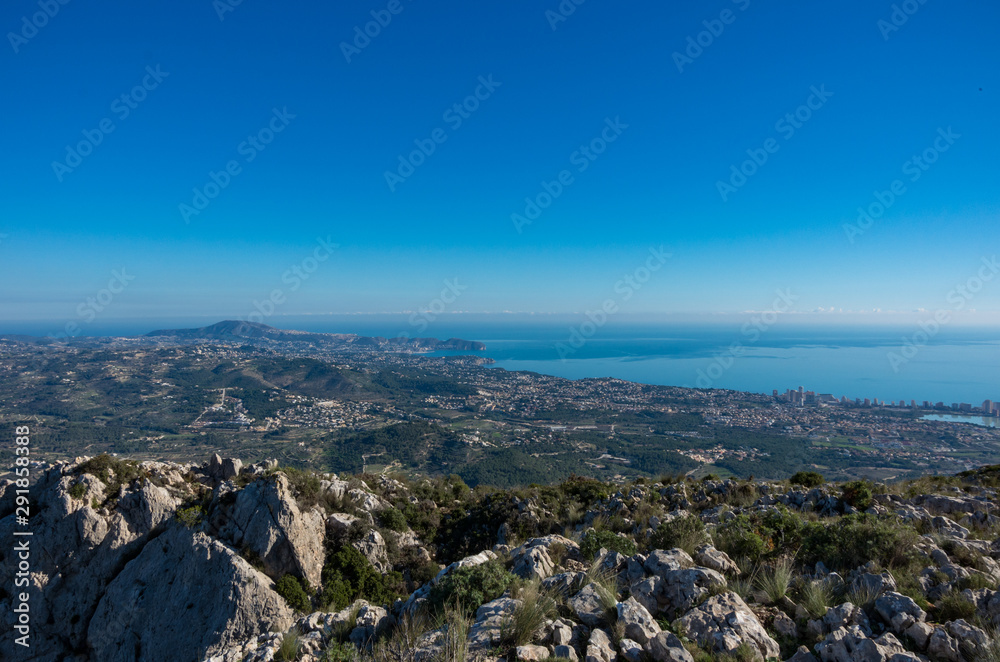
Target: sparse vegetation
{"type": "Point", "coordinates": [593, 540]}
{"type": "Point", "coordinates": [686, 532]}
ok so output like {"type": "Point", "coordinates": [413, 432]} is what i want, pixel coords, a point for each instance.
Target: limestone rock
{"type": "Point", "coordinates": [640, 626]}
{"type": "Point", "coordinates": [267, 521]}
{"type": "Point", "coordinates": [588, 605]}
{"type": "Point", "coordinates": [660, 561]}
{"type": "Point", "coordinates": [600, 648]}
{"type": "Point", "coordinates": [710, 557]}
{"type": "Point", "coordinates": [531, 653]}
{"type": "Point", "coordinates": [899, 611]}
{"type": "Point", "coordinates": [373, 548]}
{"type": "Point", "coordinates": [185, 595]}
{"type": "Point", "coordinates": [666, 647]}
{"type": "Point", "coordinates": [630, 651]}
{"type": "Point", "coordinates": [723, 622]}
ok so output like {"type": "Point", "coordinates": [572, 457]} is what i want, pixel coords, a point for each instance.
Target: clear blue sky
{"type": "Point", "coordinates": [656, 184]}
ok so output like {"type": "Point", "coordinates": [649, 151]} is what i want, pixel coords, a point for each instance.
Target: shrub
{"type": "Point", "coordinates": [77, 491]}
{"type": "Point", "coordinates": [594, 540]}
{"type": "Point", "coordinates": [858, 494]}
{"type": "Point", "coordinates": [857, 539]}
{"type": "Point", "coordinates": [686, 532]}
{"type": "Point", "coordinates": [348, 575]}
{"type": "Point", "coordinates": [111, 471]}
{"type": "Point", "coordinates": [807, 479]}
{"type": "Point", "coordinates": [291, 590]}
{"type": "Point", "coordinates": [739, 539]}
{"type": "Point", "coordinates": [584, 490]}
{"type": "Point", "coordinates": [392, 519]}
{"type": "Point", "coordinates": [190, 517]}
{"type": "Point", "coordinates": [471, 586]}
{"type": "Point", "coordinates": [954, 606]}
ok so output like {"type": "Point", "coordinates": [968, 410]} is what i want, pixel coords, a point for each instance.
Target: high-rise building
{"type": "Point", "coordinates": [988, 406]}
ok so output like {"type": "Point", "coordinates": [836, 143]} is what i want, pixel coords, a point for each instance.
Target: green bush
{"type": "Point", "coordinates": [584, 490]}
{"type": "Point", "coordinates": [854, 540]}
{"type": "Point", "coordinates": [594, 540]}
{"type": "Point", "coordinates": [687, 532]}
{"type": "Point", "coordinates": [472, 586]}
{"type": "Point", "coordinates": [348, 576]}
{"type": "Point", "coordinates": [739, 539]}
{"type": "Point", "coordinates": [392, 519]}
{"type": "Point", "coordinates": [291, 590]}
{"type": "Point", "coordinates": [77, 491]}
{"type": "Point", "coordinates": [807, 479]}
{"type": "Point", "coordinates": [111, 471]}
{"type": "Point", "coordinates": [190, 517]}
{"type": "Point", "coordinates": [954, 606]}
{"type": "Point", "coordinates": [858, 494]}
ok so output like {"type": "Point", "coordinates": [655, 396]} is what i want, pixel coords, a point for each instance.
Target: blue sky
{"type": "Point", "coordinates": [886, 95]}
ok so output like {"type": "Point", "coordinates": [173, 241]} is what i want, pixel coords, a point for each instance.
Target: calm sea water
{"type": "Point", "coordinates": [957, 365]}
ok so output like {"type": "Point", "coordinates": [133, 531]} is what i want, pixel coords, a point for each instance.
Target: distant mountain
{"type": "Point", "coordinates": [254, 331]}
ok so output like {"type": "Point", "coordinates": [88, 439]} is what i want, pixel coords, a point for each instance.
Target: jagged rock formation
{"type": "Point", "coordinates": [157, 561]}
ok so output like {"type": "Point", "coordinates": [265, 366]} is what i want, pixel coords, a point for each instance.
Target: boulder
{"type": "Point", "coordinates": [630, 651]}
{"type": "Point", "coordinates": [660, 561]}
{"type": "Point", "coordinates": [485, 631]}
{"type": "Point", "coordinates": [531, 653]}
{"type": "Point", "coordinates": [532, 563]}
{"type": "Point", "coordinates": [850, 644]}
{"type": "Point", "coordinates": [942, 646]}
{"type": "Point", "coordinates": [372, 547]}
{"type": "Point", "coordinates": [185, 596]}
{"type": "Point", "coordinates": [588, 605]}
{"type": "Point", "coordinates": [600, 648]}
{"type": "Point", "coordinates": [666, 647]}
{"type": "Point", "coordinates": [723, 622]}
{"type": "Point", "coordinates": [565, 652]}
{"type": "Point", "coordinates": [682, 589]}
{"type": "Point", "coordinates": [651, 594]}
{"type": "Point", "coordinates": [710, 557]}
{"type": "Point", "coordinates": [639, 625]}
{"type": "Point", "coordinates": [899, 611]}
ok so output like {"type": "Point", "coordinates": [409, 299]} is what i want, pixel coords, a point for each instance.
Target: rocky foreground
{"type": "Point", "coordinates": [225, 563]}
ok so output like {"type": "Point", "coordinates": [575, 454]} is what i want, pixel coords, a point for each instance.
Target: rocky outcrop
{"type": "Point", "coordinates": [184, 597]}
{"type": "Point", "coordinates": [267, 522]}
{"type": "Point", "coordinates": [724, 622]}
